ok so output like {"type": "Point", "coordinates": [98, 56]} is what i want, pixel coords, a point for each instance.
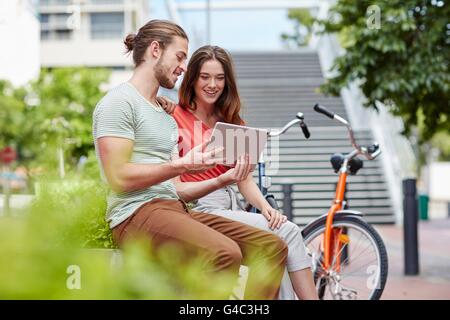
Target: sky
{"type": "Point", "coordinates": [235, 30]}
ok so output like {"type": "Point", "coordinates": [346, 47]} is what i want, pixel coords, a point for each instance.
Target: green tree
{"type": "Point", "coordinates": [54, 111]}
{"type": "Point", "coordinates": [403, 62]}
{"type": "Point", "coordinates": [67, 98]}
{"type": "Point", "coordinates": [303, 22]}
{"type": "Point", "coordinates": [442, 142]}
{"type": "Point", "coordinates": [12, 109]}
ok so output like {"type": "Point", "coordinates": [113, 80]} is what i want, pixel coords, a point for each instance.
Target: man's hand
{"type": "Point", "coordinates": [239, 173]}
{"type": "Point", "coordinates": [275, 218]}
{"type": "Point", "coordinates": [167, 104]}
{"type": "Point", "coordinates": [196, 160]}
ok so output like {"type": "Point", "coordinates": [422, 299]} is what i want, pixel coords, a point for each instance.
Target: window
{"type": "Point", "coordinates": [107, 25]}
{"type": "Point", "coordinates": [59, 21]}
{"type": "Point", "coordinates": [45, 25]}
{"type": "Point", "coordinates": [54, 2]}
{"type": "Point", "coordinates": [63, 34]}
{"type": "Point", "coordinates": [45, 35]}
{"type": "Point", "coordinates": [56, 34]}
{"type": "Point", "coordinates": [43, 17]}
{"type": "Point", "coordinates": [55, 26]}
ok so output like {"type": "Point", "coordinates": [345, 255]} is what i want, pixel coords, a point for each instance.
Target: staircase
{"type": "Point", "coordinates": [274, 86]}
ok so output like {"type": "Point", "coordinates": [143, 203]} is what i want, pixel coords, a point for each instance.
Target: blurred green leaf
{"type": "Point", "coordinates": [53, 111]}
{"type": "Point", "coordinates": [65, 227]}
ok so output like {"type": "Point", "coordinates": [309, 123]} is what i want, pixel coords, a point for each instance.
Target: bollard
{"type": "Point", "coordinates": [410, 220]}
{"type": "Point", "coordinates": [287, 201]}
{"type": "Point", "coordinates": [448, 209]}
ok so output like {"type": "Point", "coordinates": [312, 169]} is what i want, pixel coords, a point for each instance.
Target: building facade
{"type": "Point", "coordinates": [89, 33]}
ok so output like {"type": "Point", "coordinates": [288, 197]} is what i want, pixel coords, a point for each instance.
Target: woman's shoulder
{"type": "Point", "coordinates": [177, 110]}
{"type": "Point", "coordinates": [182, 115]}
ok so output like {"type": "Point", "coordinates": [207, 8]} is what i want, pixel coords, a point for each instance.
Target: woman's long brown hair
{"type": "Point", "coordinates": [228, 105]}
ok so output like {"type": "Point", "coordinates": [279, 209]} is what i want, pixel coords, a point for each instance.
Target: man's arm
{"type": "Point", "coordinates": [123, 176]}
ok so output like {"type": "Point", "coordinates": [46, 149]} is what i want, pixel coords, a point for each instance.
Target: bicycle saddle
{"type": "Point", "coordinates": [353, 165]}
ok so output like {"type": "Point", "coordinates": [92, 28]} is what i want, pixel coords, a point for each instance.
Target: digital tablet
{"type": "Point", "coordinates": [237, 141]}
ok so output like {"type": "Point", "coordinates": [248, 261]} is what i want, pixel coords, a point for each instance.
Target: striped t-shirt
{"type": "Point", "coordinates": [123, 112]}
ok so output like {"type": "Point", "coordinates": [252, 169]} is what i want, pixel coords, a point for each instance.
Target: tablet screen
{"type": "Point", "coordinates": [237, 141]}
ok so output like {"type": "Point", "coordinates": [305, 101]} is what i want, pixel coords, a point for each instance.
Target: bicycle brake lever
{"type": "Point", "coordinates": [372, 151]}
{"type": "Point", "coordinates": [375, 154]}
{"type": "Point", "coordinates": [305, 130]}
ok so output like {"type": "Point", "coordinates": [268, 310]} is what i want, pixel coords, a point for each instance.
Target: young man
{"type": "Point", "coordinates": [135, 142]}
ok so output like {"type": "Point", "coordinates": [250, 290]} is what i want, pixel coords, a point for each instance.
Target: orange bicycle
{"type": "Point", "coordinates": [349, 256]}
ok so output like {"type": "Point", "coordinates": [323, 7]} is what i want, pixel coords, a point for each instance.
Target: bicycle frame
{"type": "Point", "coordinates": [331, 236]}
{"type": "Point", "coordinates": [263, 181]}
{"type": "Point", "coordinates": [333, 239]}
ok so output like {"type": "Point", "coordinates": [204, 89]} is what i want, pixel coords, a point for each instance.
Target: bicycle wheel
{"type": "Point", "coordinates": [359, 266]}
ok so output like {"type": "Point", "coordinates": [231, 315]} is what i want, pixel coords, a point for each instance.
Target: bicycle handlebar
{"type": "Point", "coordinates": [370, 152]}
{"type": "Point", "coordinates": [323, 110]}
{"type": "Point", "coordinates": [300, 120]}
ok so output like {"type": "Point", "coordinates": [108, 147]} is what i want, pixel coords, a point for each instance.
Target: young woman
{"type": "Point", "coordinates": [209, 94]}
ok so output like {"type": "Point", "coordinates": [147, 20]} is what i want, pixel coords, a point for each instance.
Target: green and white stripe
{"type": "Point", "coordinates": [123, 112]}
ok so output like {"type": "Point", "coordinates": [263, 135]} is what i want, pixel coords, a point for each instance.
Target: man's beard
{"type": "Point", "coordinates": [161, 72]}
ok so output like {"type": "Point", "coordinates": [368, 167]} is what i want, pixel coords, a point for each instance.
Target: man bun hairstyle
{"type": "Point", "coordinates": [129, 42]}
{"type": "Point", "coordinates": [162, 31]}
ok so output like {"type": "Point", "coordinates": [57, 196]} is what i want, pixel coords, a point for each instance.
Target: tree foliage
{"type": "Point", "coordinates": [404, 63]}
{"type": "Point", "coordinates": [12, 108]}
{"type": "Point", "coordinates": [53, 111]}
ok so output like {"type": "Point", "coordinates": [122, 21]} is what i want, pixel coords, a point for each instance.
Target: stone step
{"type": "Point", "coordinates": [274, 87]}
{"type": "Point", "coordinates": [327, 179]}
{"type": "Point", "coordinates": [318, 172]}
{"type": "Point", "coordinates": [318, 211]}
{"type": "Point", "coordinates": [329, 194]}
{"type": "Point", "coordinates": [331, 187]}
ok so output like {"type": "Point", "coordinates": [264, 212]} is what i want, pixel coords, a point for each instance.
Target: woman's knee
{"type": "Point", "coordinates": [290, 231]}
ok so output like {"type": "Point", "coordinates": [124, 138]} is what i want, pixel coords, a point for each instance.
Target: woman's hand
{"type": "Point", "coordinates": [167, 104]}
{"type": "Point", "coordinates": [275, 218]}
{"type": "Point", "coordinates": [239, 173]}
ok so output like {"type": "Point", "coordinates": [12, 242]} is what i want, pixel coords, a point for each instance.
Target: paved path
{"type": "Point", "coordinates": [433, 281]}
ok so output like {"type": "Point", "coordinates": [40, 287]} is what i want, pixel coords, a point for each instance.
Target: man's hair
{"type": "Point", "coordinates": [162, 31]}
{"type": "Point", "coordinates": [228, 105]}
